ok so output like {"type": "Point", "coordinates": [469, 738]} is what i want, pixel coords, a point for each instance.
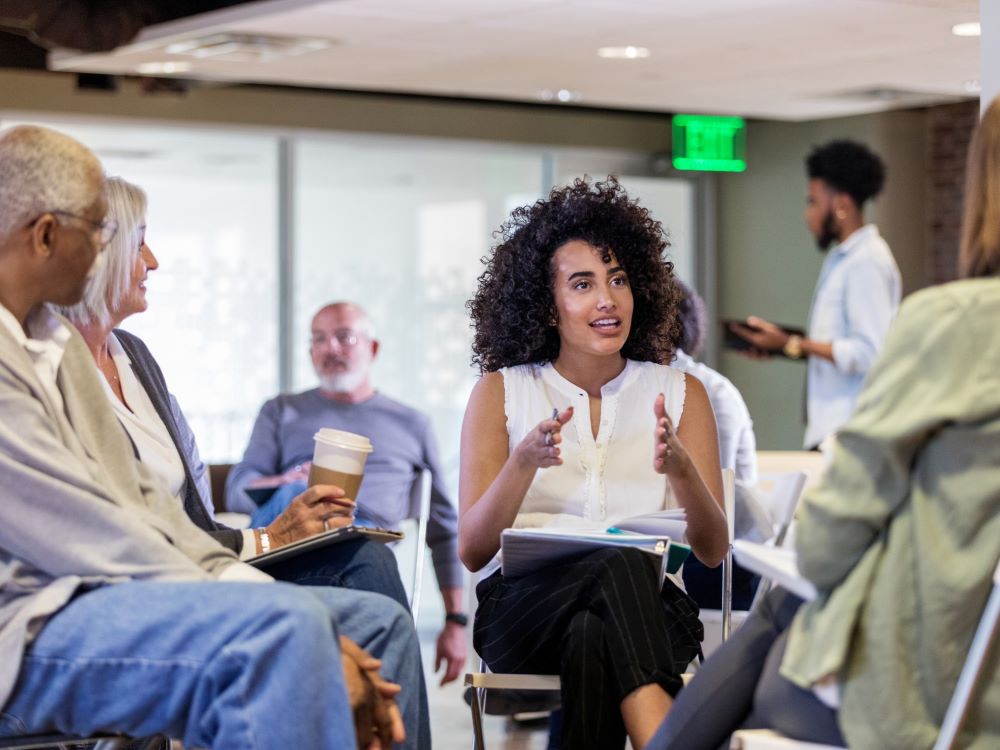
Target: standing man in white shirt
{"type": "Point", "coordinates": [857, 294]}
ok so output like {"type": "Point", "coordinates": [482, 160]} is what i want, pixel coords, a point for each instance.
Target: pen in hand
{"type": "Point", "coordinates": [548, 435]}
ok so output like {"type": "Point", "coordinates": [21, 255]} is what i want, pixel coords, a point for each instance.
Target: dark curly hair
{"type": "Point", "coordinates": [513, 309]}
{"type": "Point", "coordinates": [848, 167]}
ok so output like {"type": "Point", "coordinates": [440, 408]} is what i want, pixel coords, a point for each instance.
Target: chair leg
{"type": "Point", "coordinates": [727, 595]}
{"type": "Point", "coordinates": [478, 701]}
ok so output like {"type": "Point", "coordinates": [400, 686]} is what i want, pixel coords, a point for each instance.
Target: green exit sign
{"type": "Point", "coordinates": [707, 143]}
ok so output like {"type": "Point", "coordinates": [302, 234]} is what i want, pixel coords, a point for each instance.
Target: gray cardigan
{"type": "Point", "coordinates": [78, 509]}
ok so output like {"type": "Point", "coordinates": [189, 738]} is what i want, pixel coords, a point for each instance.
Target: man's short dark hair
{"type": "Point", "coordinates": [849, 167]}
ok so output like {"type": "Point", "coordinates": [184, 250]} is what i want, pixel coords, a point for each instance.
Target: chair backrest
{"type": "Point", "coordinates": [972, 670]}
{"type": "Point", "coordinates": [217, 474]}
{"type": "Point", "coordinates": [418, 513]}
{"type": "Point", "coordinates": [779, 493]}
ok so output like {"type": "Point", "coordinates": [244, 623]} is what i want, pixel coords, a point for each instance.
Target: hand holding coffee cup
{"type": "Point", "coordinates": [320, 508]}
{"type": "Point", "coordinates": [334, 479]}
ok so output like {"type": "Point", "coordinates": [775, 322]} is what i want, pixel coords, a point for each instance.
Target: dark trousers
{"type": "Point", "coordinates": [602, 624]}
{"type": "Point", "coordinates": [739, 688]}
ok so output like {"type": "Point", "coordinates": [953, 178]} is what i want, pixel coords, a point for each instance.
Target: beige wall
{"type": "Point", "coordinates": [365, 113]}
{"type": "Point", "coordinates": [768, 262]}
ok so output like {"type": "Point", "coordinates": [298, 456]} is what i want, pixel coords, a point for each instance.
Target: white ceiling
{"type": "Point", "coordinates": [784, 59]}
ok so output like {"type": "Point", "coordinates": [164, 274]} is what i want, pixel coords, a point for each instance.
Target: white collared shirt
{"type": "Point", "coordinates": [45, 344]}
{"type": "Point", "coordinates": [856, 298]}
{"type": "Point", "coordinates": [139, 418]}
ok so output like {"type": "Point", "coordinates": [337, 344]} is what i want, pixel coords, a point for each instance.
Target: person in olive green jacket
{"type": "Point", "coordinates": [901, 537]}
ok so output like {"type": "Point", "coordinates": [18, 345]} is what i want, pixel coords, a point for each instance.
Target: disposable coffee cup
{"type": "Point", "coordinates": [339, 458]}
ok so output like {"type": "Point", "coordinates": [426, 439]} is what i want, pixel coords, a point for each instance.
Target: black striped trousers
{"type": "Point", "coordinates": [601, 623]}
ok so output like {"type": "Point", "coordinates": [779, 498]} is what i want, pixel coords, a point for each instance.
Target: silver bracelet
{"type": "Point", "coordinates": [265, 541]}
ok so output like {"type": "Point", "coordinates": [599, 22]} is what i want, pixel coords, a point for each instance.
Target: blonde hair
{"type": "Point", "coordinates": [979, 254]}
{"type": "Point", "coordinates": [111, 279]}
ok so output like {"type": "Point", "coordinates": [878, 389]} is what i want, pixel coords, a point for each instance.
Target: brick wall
{"type": "Point", "coordinates": [949, 129]}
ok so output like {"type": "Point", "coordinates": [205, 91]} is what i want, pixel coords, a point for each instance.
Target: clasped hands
{"type": "Point", "coordinates": [377, 720]}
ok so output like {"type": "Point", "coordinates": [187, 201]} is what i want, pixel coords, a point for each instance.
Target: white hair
{"type": "Point", "coordinates": [44, 170]}
{"type": "Point", "coordinates": [111, 278]}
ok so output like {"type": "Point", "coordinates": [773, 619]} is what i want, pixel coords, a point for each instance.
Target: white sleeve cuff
{"type": "Point", "coordinates": [249, 548]}
{"type": "Point", "coordinates": [245, 573]}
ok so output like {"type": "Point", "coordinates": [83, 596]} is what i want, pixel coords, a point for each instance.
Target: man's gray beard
{"type": "Point", "coordinates": [342, 383]}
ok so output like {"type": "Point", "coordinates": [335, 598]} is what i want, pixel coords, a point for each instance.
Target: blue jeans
{"type": "Point", "coordinates": [363, 565]}
{"type": "Point", "coordinates": [239, 666]}
{"type": "Point", "coordinates": [359, 564]}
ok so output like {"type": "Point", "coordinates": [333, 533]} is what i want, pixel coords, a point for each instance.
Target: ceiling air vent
{"type": "Point", "coordinates": [234, 47]}
{"type": "Point", "coordinates": [895, 97]}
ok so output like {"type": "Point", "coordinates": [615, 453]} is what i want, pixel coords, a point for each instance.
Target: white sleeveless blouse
{"type": "Point", "coordinates": [602, 479]}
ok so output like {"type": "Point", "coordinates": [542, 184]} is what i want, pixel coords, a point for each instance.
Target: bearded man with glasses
{"type": "Point", "coordinates": [343, 347]}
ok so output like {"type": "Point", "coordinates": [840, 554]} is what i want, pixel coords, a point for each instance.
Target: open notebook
{"type": "Point", "coordinates": [524, 551]}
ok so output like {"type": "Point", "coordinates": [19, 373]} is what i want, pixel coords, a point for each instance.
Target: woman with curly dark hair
{"type": "Point", "coordinates": [575, 318]}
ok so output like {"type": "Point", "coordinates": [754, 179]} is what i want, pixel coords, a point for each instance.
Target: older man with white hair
{"type": "Point", "coordinates": [116, 612]}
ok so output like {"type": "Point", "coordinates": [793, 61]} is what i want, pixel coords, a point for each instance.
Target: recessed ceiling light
{"type": "Point", "coordinates": [161, 68]}
{"type": "Point", "coordinates": [623, 53]}
{"type": "Point", "coordinates": [559, 95]}
{"type": "Point", "coordinates": [966, 29]}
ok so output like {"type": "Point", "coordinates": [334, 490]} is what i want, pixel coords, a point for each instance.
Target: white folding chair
{"type": "Point", "coordinates": [779, 493]}
{"type": "Point", "coordinates": [718, 623]}
{"type": "Point", "coordinates": [962, 698]}
{"type": "Point", "coordinates": [417, 515]}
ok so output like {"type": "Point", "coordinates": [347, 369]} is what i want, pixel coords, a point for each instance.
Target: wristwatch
{"type": "Point", "coordinates": [458, 618]}
{"type": "Point", "coordinates": [793, 347]}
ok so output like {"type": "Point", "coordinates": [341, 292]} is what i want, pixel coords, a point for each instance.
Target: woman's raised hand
{"type": "Point", "coordinates": [540, 447]}
{"type": "Point", "coordinates": [669, 454]}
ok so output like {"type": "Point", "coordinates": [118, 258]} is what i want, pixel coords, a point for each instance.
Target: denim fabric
{"type": "Point", "coordinates": [276, 504]}
{"type": "Point", "coordinates": [358, 564]}
{"type": "Point", "coordinates": [239, 666]}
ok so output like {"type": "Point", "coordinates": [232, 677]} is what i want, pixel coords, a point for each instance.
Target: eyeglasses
{"type": "Point", "coordinates": [343, 336]}
{"type": "Point", "coordinates": [105, 230]}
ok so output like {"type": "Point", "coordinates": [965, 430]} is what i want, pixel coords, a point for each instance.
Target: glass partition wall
{"type": "Point", "coordinates": [255, 230]}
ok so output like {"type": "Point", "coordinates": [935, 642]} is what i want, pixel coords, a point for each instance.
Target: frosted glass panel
{"type": "Point", "coordinates": [400, 228]}
{"type": "Point", "coordinates": [212, 321]}
{"type": "Point", "coordinates": [670, 201]}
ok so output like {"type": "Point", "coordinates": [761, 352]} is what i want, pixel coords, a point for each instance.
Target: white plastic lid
{"type": "Point", "coordinates": [341, 439]}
